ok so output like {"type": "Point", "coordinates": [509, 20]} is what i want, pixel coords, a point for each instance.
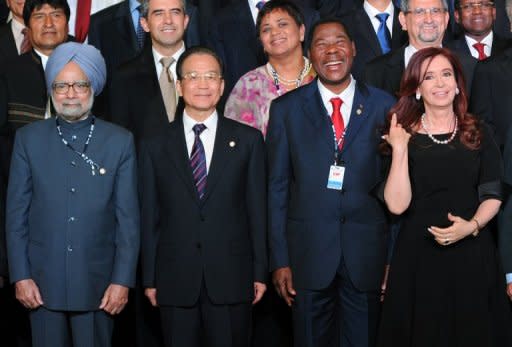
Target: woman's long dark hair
{"type": "Point", "coordinates": [409, 110]}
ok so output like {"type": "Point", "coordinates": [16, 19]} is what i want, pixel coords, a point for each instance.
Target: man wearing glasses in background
{"type": "Point", "coordinates": [476, 19]}
{"type": "Point", "coordinates": [425, 22]}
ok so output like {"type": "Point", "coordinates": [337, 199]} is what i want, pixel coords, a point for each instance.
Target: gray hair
{"type": "Point", "coordinates": [404, 5]}
{"type": "Point", "coordinates": [144, 7]}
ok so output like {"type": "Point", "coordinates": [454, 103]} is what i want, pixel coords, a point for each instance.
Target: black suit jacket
{"type": "Point", "coordinates": [8, 48]}
{"type": "Point", "coordinates": [135, 100]}
{"type": "Point", "coordinates": [385, 72]}
{"type": "Point", "coordinates": [233, 36]}
{"type": "Point", "coordinates": [490, 96]}
{"type": "Point", "coordinates": [499, 44]}
{"type": "Point", "coordinates": [366, 41]}
{"type": "Point", "coordinates": [221, 239]}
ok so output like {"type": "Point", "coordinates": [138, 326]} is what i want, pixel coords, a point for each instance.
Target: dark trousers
{"type": "Point", "coordinates": [339, 315]}
{"type": "Point", "coordinates": [206, 324]}
{"type": "Point", "coordinates": [66, 329]}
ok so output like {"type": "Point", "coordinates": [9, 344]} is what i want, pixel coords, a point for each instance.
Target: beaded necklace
{"type": "Point", "coordinates": [278, 80]}
{"type": "Point", "coordinates": [439, 142]}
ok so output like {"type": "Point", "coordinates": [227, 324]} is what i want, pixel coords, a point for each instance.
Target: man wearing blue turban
{"type": "Point", "coordinates": [72, 211]}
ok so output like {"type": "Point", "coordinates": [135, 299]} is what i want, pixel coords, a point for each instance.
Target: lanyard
{"type": "Point", "coordinates": [337, 144]}
{"type": "Point", "coordinates": [82, 154]}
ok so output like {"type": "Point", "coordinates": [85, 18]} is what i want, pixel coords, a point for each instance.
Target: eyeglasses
{"type": "Point", "coordinates": [207, 76]}
{"type": "Point", "coordinates": [421, 12]}
{"type": "Point", "coordinates": [474, 5]}
{"type": "Point", "coordinates": [79, 87]}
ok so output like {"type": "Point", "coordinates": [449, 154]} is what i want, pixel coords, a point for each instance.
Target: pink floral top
{"type": "Point", "coordinates": [249, 101]}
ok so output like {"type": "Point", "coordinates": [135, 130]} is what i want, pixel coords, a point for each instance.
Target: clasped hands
{"type": "Point", "coordinates": [113, 301]}
{"type": "Point", "coordinates": [460, 229]}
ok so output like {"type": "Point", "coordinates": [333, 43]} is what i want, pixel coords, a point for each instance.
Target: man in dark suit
{"type": "Point", "coordinates": [233, 37]}
{"type": "Point", "coordinates": [203, 215]}
{"type": "Point", "coordinates": [328, 234]}
{"type": "Point", "coordinates": [478, 38]}
{"type": "Point", "coordinates": [12, 34]}
{"type": "Point", "coordinates": [136, 98]}
{"type": "Point", "coordinates": [490, 95]}
{"type": "Point", "coordinates": [114, 32]}
{"type": "Point", "coordinates": [424, 29]}
{"type": "Point", "coordinates": [72, 210]}
{"type": "Point", "coordinates": [376, 30]}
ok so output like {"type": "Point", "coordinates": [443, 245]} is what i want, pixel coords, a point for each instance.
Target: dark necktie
{"type": "Point", "coordinates": [260, 5]}
{"type": "Point", "coordinates": [83, 17]}
{"type": "Point", "coordinates": [198, 161]}
{"type": "Point", "coordinates": [480, 49]}
{"type": "Point", "coordinates": [383, 33]}
{"type": "Point", "coordinates": [337, 121]}
{"type": "Point", "coordinates": [25, 44]}
{"type": "Point", "coordinates": [141, 34]}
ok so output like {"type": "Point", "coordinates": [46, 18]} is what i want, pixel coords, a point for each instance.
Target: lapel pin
{"type": "Point", "coordinates": [359, 110]}
{"type": "Point", "coordinates": [103, 171]}
{"type": "Point", "coordinates": [232, 144]}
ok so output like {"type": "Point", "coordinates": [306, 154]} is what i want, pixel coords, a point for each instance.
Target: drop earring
{"type": "Point", "coordinates": [418, 96]}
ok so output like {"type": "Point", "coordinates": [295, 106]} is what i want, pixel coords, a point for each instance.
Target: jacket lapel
{"type": "Point", "coordinates": [225, 143]}
{"type": "Point", "coordinates": [316, 113]}
{"type": "Point", "coordinates": [178, 153]}
{"type": "Point", "coordinates": [357, 115]}
{"type": "Point", "coordinates": [366, 29]}
{"type": "Point", "coordinates": [124, 25]}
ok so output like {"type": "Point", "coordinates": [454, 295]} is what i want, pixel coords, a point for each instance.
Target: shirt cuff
{"type": "Point", "coordinates": [509, 278]}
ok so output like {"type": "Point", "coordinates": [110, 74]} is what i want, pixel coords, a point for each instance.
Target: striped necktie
{"type": "Point", "coordinates": [198, 161]}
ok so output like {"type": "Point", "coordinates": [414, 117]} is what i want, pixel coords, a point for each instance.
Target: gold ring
{"type": "Point", "coordinates": [446, 241]}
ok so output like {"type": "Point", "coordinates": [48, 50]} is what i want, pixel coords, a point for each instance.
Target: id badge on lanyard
{"type": "Point", "coordinates": [337, 170]}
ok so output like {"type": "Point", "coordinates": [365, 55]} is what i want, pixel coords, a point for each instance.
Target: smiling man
{"type": "Point", "coordinates": [477, 19]}
{"type": "Point", "coordinates": [328, 236]}
{"type": "Point", "coordinates": [425, 22]}
{"type": "Point", "coordinates": [203, 195]}
{"type": "Point", "coordinates": [143, 96]}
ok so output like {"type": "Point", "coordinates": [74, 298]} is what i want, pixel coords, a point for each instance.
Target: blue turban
{"type": "Point", "coordinates": [86, 56]}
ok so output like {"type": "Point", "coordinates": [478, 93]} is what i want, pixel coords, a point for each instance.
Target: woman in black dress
{"type": "Point", "coordinates": [445, 288]}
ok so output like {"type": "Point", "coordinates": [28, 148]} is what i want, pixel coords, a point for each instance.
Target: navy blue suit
{"type": "Point", "coordinates": [318, 232]}
{"type": "Point", "coordinates": [72, 232]}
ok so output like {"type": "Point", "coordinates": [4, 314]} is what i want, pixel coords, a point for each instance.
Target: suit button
{"type": "Point", "coordinates": [72, 219]}
{"type": "Point", "coordinates": [70, 249]}
{"type": "Point", "coordinates": [342, 220]}
{"type": "Point", "coordinates": [73, 138]}
{"type": "Point", "coordinates": [198, 245]}
{"type": "Point", "coordinates": [73, 163]}
{"type": "Point", "coordinates": [72, 190]}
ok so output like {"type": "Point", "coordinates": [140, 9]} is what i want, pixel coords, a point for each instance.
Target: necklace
{"type": "Point", "coordinates": [82, 154]}
{"type": "Point", "coordinates": [439, 142]}
{"type": "Point", "coordinates": [278, 80]}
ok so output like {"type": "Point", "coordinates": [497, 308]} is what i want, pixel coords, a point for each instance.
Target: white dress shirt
{"type": "Point", "coordinates": [16, 28]}
{"type": "Point", "coordinates": [254, 9]}
{"type": "Point", "coordinates": [207, 136]}
{"type": "Point", "coordinates": [487, 41]}
{"type": "Point", "coordinates": [347, 96]}
{"type": "Point", "coordinates": [372, 12]}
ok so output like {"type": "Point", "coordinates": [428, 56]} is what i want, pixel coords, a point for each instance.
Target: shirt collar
{"type": "Point", "coordinates": [157, 56]}
{"type": "Point", "coordinates": [133, 5]}
{"type": "Point", "coordinates": [252, 3]}
{"type": "Point", "coordinates": [44, 58]}
{"type": "Point", "coordinates": [189, 122]}
{"type": "Point", "coordinates": [17, 26]}
{"type": "Point", "coordinates": [486, 40]}
{"type": "Point", "coordinates": [346, 95]}
{"type": "Point", "coordinates": [372, 11]}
